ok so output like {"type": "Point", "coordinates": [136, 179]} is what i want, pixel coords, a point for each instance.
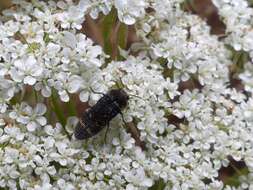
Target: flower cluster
{"type": "Point", "coordinates": [185, 121]}
{"type": "Point", "coordinates": [237, 16]}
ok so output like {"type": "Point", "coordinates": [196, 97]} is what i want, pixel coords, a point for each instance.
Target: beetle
{"type": "Point", "coordinates": [99, 116]}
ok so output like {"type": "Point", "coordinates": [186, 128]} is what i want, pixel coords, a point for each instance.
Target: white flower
{"type": "Point", "coordinates": [65, 83]}
{"type": "Point", "coordinates": [72, 17]}
{"type": "Point", "coordinates": [64, 185]}
{"type": "Point", "coordinates": [103, 6]}
{"type": "Point", "coordinates": [26, 70]}
{"type": "Point", "coordinates": [43, 166]}
{"type": "Point", "coordinates": [95, 169]}
{"type": "Point", "coordinates": [137, 178]}
{"type": "Point", "coordinates": [247, 77]}
{"type": "Point", "coordinates": [69, 39]}
{"type": "Point", "coordinates": [64, 155]}
{"type": "Point", "coordinates": [14, 132]}
{"type": "Point", "coordinates": [126, 141]}
{"type": "Point", "coordinates": [247, 109]}
{"type": "Point", "coordinates": [183, 105]}
{"type": "Point", "coordinates": [32, 118]}
{"type": "Point", "coordinates": [129, 10]}
{"type": "Point", "coordinates": [11, 27]}
{"type": "Point", "coordinates": [33, 31]}
{"type": "Point", "coordinates": [52, 50]}
{"type": "Point", "coordinates": [7, 90]}
{"type": "Point", "coordinates": [11, 155]}
{"type": "Point", "coordinates": [88, 53]}
{"type": "Point", "coordinates": [45, 86]}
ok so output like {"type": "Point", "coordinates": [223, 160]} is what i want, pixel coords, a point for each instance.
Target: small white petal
{"type": "Point", "coordinates": [61, 147]}
{"type": "Point", "coordinates": [40, 109]}
{"type": "Point", "coordinates": [147, 182]}
{"type": "Point", "coordinates": [46, 91]}
{"type": "Point", "coordinates": [51, 170]}
{"type": "Point", "coordinates": [14, 174]}
{"type": "Point", "coordinates": [29, 80]}
{"type": "Point", "coordinates": [63, 162]}
{"type": "Point", "coordinates": [84, 96]}
{"type": "Point", "coordinates": [74, 85]}
{"type": "Point", "coordinates": [88, 168]}
{"type": "Point", "coordinates": [129, 20]}
{"type": "Point", "coordinates": [55, 156]}
{"type": "Point", "coordinates": [130, 187]}
{"type": "Point", "coordinates": [49, 129]}
{"type": "Point", "coordinates": [41, 120]}
{"type": "Point", "coordinates": [69, 39]}
{"type": "Point", "coordinates": [64, 96]}
{"type": "Point", "coordinates": [32, 126]}
{"type": "Point", "coordinates": [23, 119]}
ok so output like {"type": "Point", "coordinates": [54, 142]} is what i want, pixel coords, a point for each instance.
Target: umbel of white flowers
{"type": "Point", "coordinates": [43, 50]}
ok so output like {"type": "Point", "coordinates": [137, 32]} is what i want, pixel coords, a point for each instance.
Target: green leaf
{"type": "Point", "coordinates": [57, 108]}
{"type": "Point", "coordinates": [108, 23]}
{"type": "Point", "coordinates": [33, 47]}
{"type": "Point", "coordinates": [122, 38]}
{"type": "Point", "coordinates": [234, 180]}
{"type": "Point", "coordinates": [46, 38]}
{"type": "Point", "coordinates": [239, 59]}
{"type": "Point", "coordinates": [71, 108]}
{"type": "Point", "coordinates": [159, 185]}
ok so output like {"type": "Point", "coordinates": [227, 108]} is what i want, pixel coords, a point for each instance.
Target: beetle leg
{"type": "Point", "coordinates": [123, 119]}
{"type": "Point", "coordinates": [107, 127]}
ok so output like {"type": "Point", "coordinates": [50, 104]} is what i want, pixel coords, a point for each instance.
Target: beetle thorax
{"type": "Point", "coordinates": [119, 96]}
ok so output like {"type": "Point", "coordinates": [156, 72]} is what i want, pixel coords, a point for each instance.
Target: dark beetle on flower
{"type": "Point", "coordinates": [99, 116]}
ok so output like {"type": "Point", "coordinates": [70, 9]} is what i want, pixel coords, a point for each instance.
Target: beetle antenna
{"type": "Point", "coordinates": [123, 119]}
{"type": "Point", "coordinates": [117, 84]}
{"type": "Point", "coordinates": [96, 92]}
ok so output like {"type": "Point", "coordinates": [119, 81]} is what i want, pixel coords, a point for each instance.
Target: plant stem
{"type": "Point", "coordinates": [71, 108]}
{"type": "Point", "coordinates": [58, 111]}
